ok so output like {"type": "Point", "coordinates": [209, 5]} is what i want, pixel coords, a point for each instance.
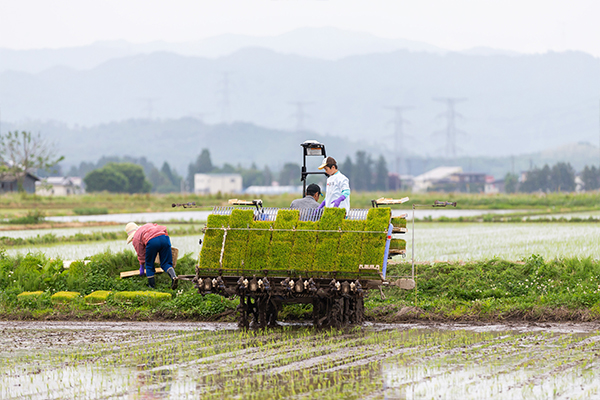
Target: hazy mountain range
{"type": "Point", "coordinates": [326, 43]}
{"type": "Point", "coordinates": [339, 86]}
{"type": "Point", "coordinates": [180, 141]}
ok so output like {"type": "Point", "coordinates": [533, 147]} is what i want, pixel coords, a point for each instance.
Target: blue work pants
{"type": "Point", "coordinates": [160, 245]}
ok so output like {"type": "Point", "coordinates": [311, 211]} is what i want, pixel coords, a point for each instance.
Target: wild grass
{"type": "Point", "coordinates": [496, 289]}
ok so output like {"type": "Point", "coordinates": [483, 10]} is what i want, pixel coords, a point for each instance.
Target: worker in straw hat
{"type": "Point", "coordinates": [149, 240]}
{"type": "Point", "coordinates": [337, 193]}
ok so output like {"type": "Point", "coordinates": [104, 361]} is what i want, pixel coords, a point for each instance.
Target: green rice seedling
{"type": "Point", "coordinates": [326, 255]}
{"type": "Point", "coordinates": [282, 241]}
{"type": "Point", "coordinates": [99, 296]}
{"type": "Point", "coordinates": [259, 242]}
{"type": "Point", "coordinates": [142, 297]}
{"type": "Point", "coordinates": [237, 238]}
{"type": "Point", "coordinates": [350, 246]}
{"type": "Point", "coordinates": [378, 219]}
{"type": "Point", "coordinates": [28, 296]}
{"type": "Point", "coordinates": [213, 240]}
{"type": "Point", "coordinates": [398, 244]}
{"type": "Point", "coordinates": [399, 222]}
{"type": "Point", "coordinates": [64, 297]}
{"type": "Point", "coordinates": [326, 252]}
{"type": "Point", "coordinates": [331, 221]}
{"type": "Point", "coordinates": [303, 251]}
{"type": "Point", "coordinates": [373, 249]}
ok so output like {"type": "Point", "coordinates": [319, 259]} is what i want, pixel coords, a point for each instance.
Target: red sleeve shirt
{"type": "Point", "coordinates": [143, 235]}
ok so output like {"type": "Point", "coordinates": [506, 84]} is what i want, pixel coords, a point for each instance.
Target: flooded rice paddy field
{"type": "Point", "coordinates": [41, 360]}
{"type": "Point", "coordinates": [433, 242]}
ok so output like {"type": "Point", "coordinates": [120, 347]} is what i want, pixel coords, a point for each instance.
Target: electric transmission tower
{"type": "Point", "coordinates": [300, 114]}
{"type": "Point", "coordinates": [399, 136]}
{"type": "Point", "coordinates": [149, 105]}
{"type": "Point", "coordinates": [451, 131]}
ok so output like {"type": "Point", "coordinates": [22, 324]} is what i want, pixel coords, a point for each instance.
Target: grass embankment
{"type": "Point", "coordinates": [15, 206]}
{"type": "Point", "coordinates": [35, 272]}
{"type": "Point", "coordinates": [494, 290]}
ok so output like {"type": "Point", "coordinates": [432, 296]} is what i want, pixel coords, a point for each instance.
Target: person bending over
{"type": "Point", "coordinates": [149, 240]}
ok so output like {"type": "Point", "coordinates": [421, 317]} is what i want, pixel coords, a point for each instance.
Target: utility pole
{"type": "Point", "coordinates": [398, 122]}
{"type": "Point", "coordinates": [224, 87]}
{"type": "Point", "coordinates": [300, 114]}
{"type": "Point", "coordinates": [451, 131]}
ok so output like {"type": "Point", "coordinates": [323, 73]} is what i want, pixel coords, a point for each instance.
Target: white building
{"type": "Point", "coordinates": [59, 186]}
{"type": "Point", "coordinates": [215, 183]}
{"type": "Point", "coordinates": [422, 182]}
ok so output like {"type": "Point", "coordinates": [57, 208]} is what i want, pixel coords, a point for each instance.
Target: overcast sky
{"type": "Point", "coordinates": [528, 26]}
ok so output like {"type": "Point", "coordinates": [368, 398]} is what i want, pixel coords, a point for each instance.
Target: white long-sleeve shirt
{"type": "Point", "coordinates": [337, 185]}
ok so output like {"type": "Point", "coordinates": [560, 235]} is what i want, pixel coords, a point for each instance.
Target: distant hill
{"type": "Point", "coordinates": [180, 141]}
{"type": "Point", "coordinates": [515, 104]}
{"type": "Point", "coordinates": [325, 42]}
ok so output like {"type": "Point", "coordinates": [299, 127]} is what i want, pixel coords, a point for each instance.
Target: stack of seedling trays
{"type": "Point", "coordinates": [398, 244]}
{"type": "Point", "coordinates": [331, 247]}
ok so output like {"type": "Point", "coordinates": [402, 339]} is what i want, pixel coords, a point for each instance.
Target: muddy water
{"type": "Point", "coordinates": [123, 360]}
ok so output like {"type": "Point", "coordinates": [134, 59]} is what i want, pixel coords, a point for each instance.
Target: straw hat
{"type": "Point", "coordinates": [130, 228]}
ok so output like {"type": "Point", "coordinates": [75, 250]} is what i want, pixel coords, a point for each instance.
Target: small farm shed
{"type": "Point", "coordinates": [9, 182]}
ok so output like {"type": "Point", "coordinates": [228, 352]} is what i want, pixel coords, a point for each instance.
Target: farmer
{"type": "Point", "coordinates": [149, 240]}
{"type": "Point", "coordinates": [338, 186]}
{"type": "Point", "coordinates": [313, 191]}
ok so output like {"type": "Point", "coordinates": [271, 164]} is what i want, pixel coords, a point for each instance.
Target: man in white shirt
{"type": "Point", "coordinates": [337, 193]}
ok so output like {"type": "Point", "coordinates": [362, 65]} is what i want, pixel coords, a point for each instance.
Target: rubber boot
{"type": "Point", "coordinates": [142, 270]}
{"type": "Point", "coordinates": [152, 282]}
{"type": "Point", "coordinates": [171, 272]}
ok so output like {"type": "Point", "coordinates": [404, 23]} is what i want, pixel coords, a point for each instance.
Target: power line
{"type": "Point", "coordinates": [300, 114]}
{"type": "Point", "coordinates": [451, 131]}
{"type": "Point", "coordinates": [398, 122]}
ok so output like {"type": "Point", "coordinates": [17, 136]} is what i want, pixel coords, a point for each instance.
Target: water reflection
{"type": "Point", "coordinates": [393, 363]}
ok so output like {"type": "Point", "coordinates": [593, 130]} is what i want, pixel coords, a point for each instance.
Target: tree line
{"type": "Point", "coordinates": [364, 173]}
{"type": "Point", "coordinates": [558, 178]}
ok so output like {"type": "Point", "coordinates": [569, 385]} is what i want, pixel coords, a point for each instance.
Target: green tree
{"type": "Point", "coordinates": [562, 178]}
{"type": "Point", "coordinates": [106, 179]}
{"type": "Point", "coordinates": [537, 180]}
{"type": "Point", "coordinates": [252, 176]}
{"type": "Point", "coordinates": [590, 178]}
{"type": "Point", "coordinates": [511, 182]}
{"type": "Point", "coordinates": [267, 176]}
{"type": "Point", "coordinates": [135, 176]}
{"type": "Point", "coordinates": [347, 168]}
{"type": "Point", "coordinates": [23, 152]}
{"type": "Point", "coordinates": [110, 176]}
{"type": "Point", "coordinates": [381, 180]}
{"type": "Point", "coordinates": [202, 165]}
{"type": "Point", "coordinates": [362, 176]}
{"type": "Point", "coordinates": [290, 174]}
